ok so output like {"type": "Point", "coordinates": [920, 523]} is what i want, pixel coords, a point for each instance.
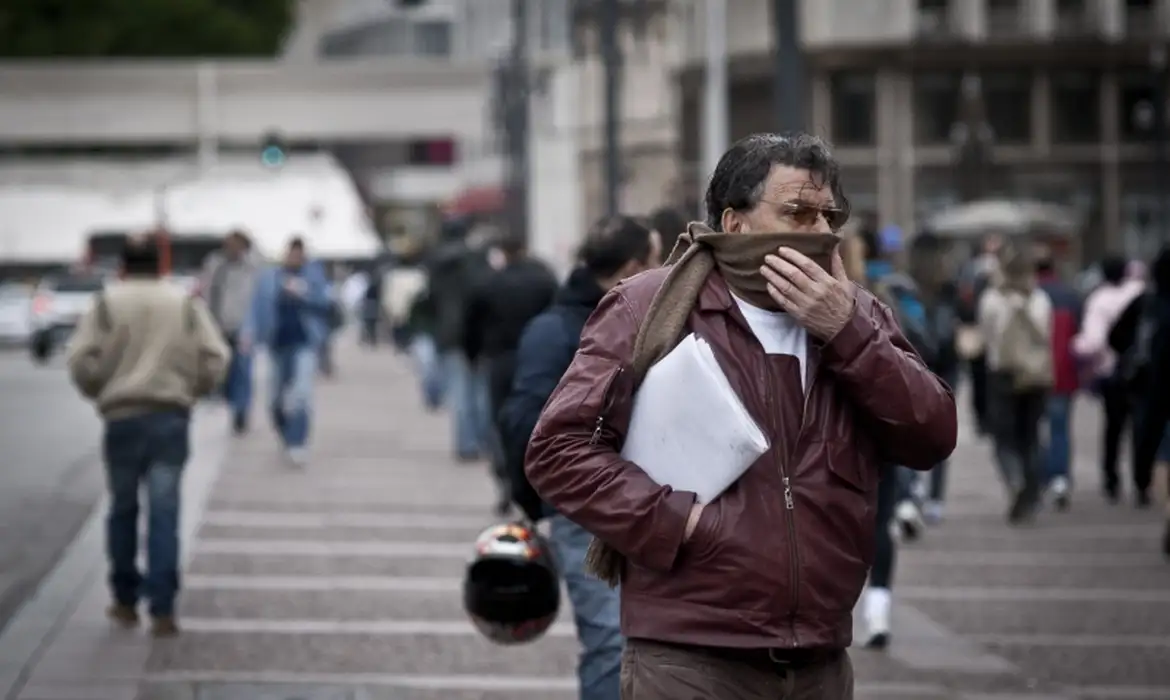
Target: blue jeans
{"type": "Point", "coordinates": [430, 373]}
{"type": "Point", "coordinates": [470, 409]}
{"type": "Point", "coordinates": [1059, 452]}
{"type": "Point", "coordinates": [596, 611]}
{"type": "Point", "coordinates": [1164, 448]}
{"type": "Point", "coordinates": [237, 387]}
{"type": "Point", "coordinates": [291, 392]}
{"type": "Point", "coordinates": [149, 449]}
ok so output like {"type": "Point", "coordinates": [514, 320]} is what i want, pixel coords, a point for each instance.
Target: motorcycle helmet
{"type": "Point", "coordinates": [511, 590]}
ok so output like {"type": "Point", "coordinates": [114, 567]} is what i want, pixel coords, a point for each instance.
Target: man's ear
{"type": "Point", "coordinates": [730, 221]}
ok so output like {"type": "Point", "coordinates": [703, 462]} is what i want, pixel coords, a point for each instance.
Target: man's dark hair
{"type": "Point", "coordinates": [512, 245]}
{"type": "Point", "coordinates": [668, 222]}
{"type": "Point", "coordinates": [242, 238]}
{"type": "Point", "coordinates": [1113, 269]}
{"type": "Point", "coordinates": [1045, 264]}
{"type": "Point", "coordinates": [738, 180]}
{"type": "Point", "coordinates": [297, 244]}
{"type": "Point", "coordinates": [614, 241]}
{"type": "Point", "coordinates": [140, 256]}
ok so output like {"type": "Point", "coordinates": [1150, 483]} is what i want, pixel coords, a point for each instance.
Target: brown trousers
{"type": "Point", "coordinates": [652, 671]}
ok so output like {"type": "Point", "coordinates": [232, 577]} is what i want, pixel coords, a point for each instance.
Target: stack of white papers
{"type": "Point", "coordinates": [689, 430]}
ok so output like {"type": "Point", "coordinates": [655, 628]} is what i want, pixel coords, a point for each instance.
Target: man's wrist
{"type": "Point", "coordinates": [692, 521]}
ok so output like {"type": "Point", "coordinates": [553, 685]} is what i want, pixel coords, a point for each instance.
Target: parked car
{"type": "Point", "coordinates": [57, 304]}
{"type": "Point", "coordinates": [15, 314]}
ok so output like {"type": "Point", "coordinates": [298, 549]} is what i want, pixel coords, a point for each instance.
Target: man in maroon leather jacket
{"type": "Point", "coordinates": [750, 596]}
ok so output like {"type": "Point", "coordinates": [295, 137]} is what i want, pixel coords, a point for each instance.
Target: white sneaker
{"type": "Point", "coordinates": [877, 618]}
{"type": "Point", "coordinates": [909, 519]}
{"type": "Point", "coordinates": [933, 512]}
{"type": "Point", "coordinates": [298, 457]}
{"type": "Point", "coordinates": [1061, 492]}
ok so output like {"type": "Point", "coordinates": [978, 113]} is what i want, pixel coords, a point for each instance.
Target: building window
{"type": "Point", "coordinates": [1076, 107]}
{"type": "Point", "coordinates": [1135, 110]}
{"type": "Point", "coordinates": [936, 106]}
{"type": "Point", "coordinates": [854, 107]}
{"type": "Point", "coordinates": [933, 18]}
{"type": "Point", "coordinates": [1072, 18]}
{"type": "Point", "coordinates": [1140, 17]}
{"type": "Point", "coordinates": [432, 38]}
{"type": "Point", "coordinates": [1007, 96]}
{"type": "Point", "coordinates": [1004, 17]}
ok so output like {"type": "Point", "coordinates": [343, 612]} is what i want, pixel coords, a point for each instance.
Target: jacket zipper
{"type": "Point", "coordinates": [606, 405]}
{"type": "Point", "coordinates": [790, 516]}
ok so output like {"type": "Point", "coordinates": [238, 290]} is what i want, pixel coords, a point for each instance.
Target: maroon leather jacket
{"type": "Point", "coordinates": [780, 558]}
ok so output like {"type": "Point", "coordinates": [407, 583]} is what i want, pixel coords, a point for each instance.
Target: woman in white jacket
{"type": "Point", "coordinates": [1123, 283]}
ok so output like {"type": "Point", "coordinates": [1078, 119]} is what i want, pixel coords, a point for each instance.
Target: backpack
{"type": "Point", "coordinates": [1135, 361]}
{"type": "Point", "coordinates": [1025, 352]}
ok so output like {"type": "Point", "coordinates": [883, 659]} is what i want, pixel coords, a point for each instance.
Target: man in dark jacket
{"type": "Point", "coordinates": [616, 248]}
{"type": "Point", "coordinates": [1141, 338]}
{"type": "Point", "coordinates": [753, 591]}
{"type": "Point", "coordinates": [453, 269]}
{"type": "Point", "coordinates": [498, 308]}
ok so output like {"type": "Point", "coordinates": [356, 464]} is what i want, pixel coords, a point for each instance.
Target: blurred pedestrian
{"type": "Point", "coordinates": [1141, 337]}
{"type": "Point", "coordinates": [228, 283]}
{"type": "Point", "coordinates": [707, 609]}
{"type": "Point", "coordinates": [931, 271]}
{"type": "Point", "coordinates": [616, 248]}
{"type": "Point", "coordinates": [290, 317]}
{"type": "Point", "coordinates": [1015, 317]}
{"type": "Point", "coordinates": [1103, 308]}
{"type": "Point", "coordinates": [668, 223]}
{"type": "Point", "coordinates": [899, 292]}
{"type": "Point", "coordinates": [334, 322]}
{"type": "Point", "coordinates": [977, 276]}
{"type": "Point", "coordinates": [1066, 318]}
{"type": "Point", "coordinates": [145, 352]}
{"type": "Point", "coordinates": [498, 308]}
{"type": "Point", "coordinates": [453, 270]}
{"type": "Point", "coordinates": [370, 307]}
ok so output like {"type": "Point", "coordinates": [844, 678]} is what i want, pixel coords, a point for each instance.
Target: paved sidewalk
{"type": "Point", "coordinates": [341, 582]}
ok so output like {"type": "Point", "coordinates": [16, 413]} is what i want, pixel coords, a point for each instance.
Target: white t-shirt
{"type": "Point", "coordinates": [779, 333]}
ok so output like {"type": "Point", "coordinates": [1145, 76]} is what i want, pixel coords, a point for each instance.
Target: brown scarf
{"type": "Point", "coordinates": [699, 251]}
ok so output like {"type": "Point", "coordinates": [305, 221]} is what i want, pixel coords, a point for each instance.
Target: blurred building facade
{"type": "Point", "coordinates": [400, 95]}
{"type": "Point", "coordinates": [1068, 88]}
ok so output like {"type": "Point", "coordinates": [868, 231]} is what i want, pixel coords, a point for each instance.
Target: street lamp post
{"type": "Point", "coordinates": [1161, 133]}
{"type": "Point", "coordinates": [611, 60]}
{"type": "Point", "coordinates": [972, 138]}
{"type": "Point", "coordinates": [715, 96]}
{"type": "Point", "coordinates": [789, 74]}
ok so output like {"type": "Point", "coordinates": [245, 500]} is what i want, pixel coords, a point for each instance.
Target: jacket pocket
{"type": "Point", "coordinates": [590, 389]}
{"type": "Point", "coordinates": [705, 539]}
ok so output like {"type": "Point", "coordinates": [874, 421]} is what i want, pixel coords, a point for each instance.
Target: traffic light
{"type": "Point", "coordinates": [273, 152]}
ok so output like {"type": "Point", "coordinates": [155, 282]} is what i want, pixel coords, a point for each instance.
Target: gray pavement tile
{"type": "Point", "coordinates": [995, 617]}
{"type": "Point", "coordinates": [265, 691]}
{"type": "Point", "coordinates": [329, 605]}
{"type": "Point", "coordinates": [388, 693]}
{"type": "Point", "coordinates": [81, 690]}
{"type": "Point", "coordinates": [1076, 666]}
{"type": "Point", "coordinates": [278, 565]}
{"type": "Point", "coordinates": [324, 653]}
{"type": "Point", "coordinates": [1153, 577]}
{"type": "Point", "coordinates": [166, 691]}
{"type": "Point", "coordinates": [478, 506]}
{"type": "Point", "coordinates": [346, 534]}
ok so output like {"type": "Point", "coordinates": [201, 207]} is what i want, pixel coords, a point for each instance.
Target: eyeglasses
{"type": "Point", "coordinates": [806, 214]}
